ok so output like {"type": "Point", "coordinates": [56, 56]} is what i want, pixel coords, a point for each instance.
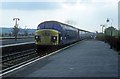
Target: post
{"type": "Point", "coordinates": [102, 27]}
{"type": "Point", "coordinates": [108, 19]}
{"type": "Point", "coordinates": [15, 29]}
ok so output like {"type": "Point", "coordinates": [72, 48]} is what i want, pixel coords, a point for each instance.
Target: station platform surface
{"type": "Point", "coordinates": [13, 41]}
{"type": "Point", "coordinates": [90, 58]}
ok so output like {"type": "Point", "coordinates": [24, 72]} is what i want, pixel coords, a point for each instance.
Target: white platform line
{"type": "Point", "coordinates": [16, 44]}
{"type": "Point", "coordinates": [37, 59]}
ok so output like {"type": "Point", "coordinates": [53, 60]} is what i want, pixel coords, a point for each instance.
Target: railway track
{"type": "Point", "coordinates": [23, 54]}
{"type": "Point", "coordinates": [17, 57]}
{"type": "Point", "coordinates": [19, 54]}
{"type": "Point", "coordinates": [15, 54]}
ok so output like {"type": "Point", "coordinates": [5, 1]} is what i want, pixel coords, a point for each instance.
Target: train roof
{"type": "Point", "coordinates": [50, 25]}
{"type": "Point", "coordinates": [56, 25]}
{"type": "Point", "coordinates": [84, 30]}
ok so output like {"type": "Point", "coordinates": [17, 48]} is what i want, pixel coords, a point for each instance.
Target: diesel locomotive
{"type": "Point", "coordinates": [56, 34]}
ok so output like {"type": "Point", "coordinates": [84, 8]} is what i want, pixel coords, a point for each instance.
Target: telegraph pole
{"type": "Point", "coordinates": [16, 29]}
{"type": "Point", "coordinates": [102, 27]}
{"type": "Point", "coordinates": [108, 20]}
{"type": "Point", "coordinates": [119, 15]}
{"type": "Point", "coordinates": [26, 31]}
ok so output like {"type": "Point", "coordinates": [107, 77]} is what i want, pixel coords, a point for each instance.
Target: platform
{"type": "Point", "coordinates": [89, 58]}
{"type": "Point", "coordinates": [13, 41]}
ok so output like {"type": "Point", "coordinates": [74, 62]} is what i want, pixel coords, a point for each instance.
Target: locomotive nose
{"type": "Point", "coordinates": [46, 37]}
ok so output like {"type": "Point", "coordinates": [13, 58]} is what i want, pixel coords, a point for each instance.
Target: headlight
{"type": "Point", "coordinates": [53, 38]}
{"type": "Point", "coordinates": [37, 38]}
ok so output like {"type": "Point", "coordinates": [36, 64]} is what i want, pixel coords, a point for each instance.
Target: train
{"type": "Point", "coordinates": [57, 34]}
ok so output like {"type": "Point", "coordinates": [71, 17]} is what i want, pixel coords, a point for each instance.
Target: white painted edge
{"type": "Point", "coordinates": [16, 44]}
{"type": "Point", "coordinates": [37, 59]}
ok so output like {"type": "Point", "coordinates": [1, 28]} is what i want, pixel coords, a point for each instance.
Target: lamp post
{"type": "Point", "coordinates": [108, 20]}
{"type": "Point", "coordinates": [102, 27]}
{"type": "Point", "coordinates": [16, 19]}
{"type": "Point", "coordinates": [26, 31]}
{"type": "Point", "coordinates": [15, 29]}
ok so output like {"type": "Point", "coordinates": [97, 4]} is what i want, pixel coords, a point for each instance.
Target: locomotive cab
{"type": "Point", "coordinates": [46, 37]}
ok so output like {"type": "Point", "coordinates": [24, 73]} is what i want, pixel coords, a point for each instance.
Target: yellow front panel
{"type": "Point", "coordinates": [45, 37]}
{"type": "Point", "coordinates": [45, 40]}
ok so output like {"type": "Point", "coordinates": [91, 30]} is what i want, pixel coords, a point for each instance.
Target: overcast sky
{"type": "Point", "coordinates": [84, 14]}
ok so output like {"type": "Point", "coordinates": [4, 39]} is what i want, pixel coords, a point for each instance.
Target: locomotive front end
{"type": "Point", "coordinates": [46, 37]}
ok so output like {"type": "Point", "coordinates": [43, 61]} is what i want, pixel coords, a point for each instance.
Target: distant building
{"type": "Point", "coordinates": [8, 31]}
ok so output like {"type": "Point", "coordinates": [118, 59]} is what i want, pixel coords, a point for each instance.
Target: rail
{"type": "Point", "coordinates": [20, 37]}
{"type": "Point", "coordinates": [17, 53]}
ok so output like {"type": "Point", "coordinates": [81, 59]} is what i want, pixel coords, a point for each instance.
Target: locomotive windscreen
{"type": "Point", "coordinates": [49, 25]}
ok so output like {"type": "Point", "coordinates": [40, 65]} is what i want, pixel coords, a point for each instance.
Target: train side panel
{"type": "Point", "coordinates": [68, 35]}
